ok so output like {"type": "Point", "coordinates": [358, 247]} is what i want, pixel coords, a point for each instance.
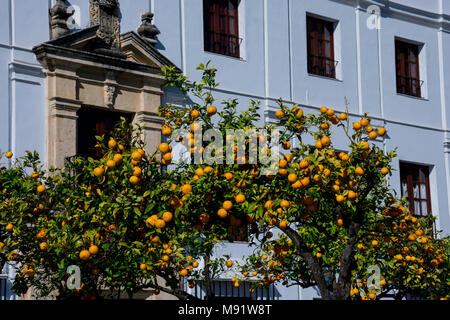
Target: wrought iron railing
{"type": "Point", "coordinates": [322, 66]}
{"type": "Point", "coordinates": [226, 290]}
{"type": "Point", "coordinates": [222, 43]}
{"type": "Point", "coordinates": [409, 86]}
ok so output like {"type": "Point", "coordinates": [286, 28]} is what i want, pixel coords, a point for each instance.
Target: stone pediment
{"type": "Point", "coordinates": [133, 48]}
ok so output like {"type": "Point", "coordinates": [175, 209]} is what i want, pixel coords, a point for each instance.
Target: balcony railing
{"type": "Point", "coordinates": [222, 43]}
{"type": "Point", "coordinates": [409, 86]}
{"type": "Point", "coordinates": [322, 66]}
{"type": "Point", "coordinates": [225, 290]}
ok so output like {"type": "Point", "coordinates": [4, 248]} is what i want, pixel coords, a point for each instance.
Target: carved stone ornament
{"type": "Point", "coordinates": [147, 30]}
{"type": "Point", "coordinates": [110, 94]}
{"type": "Point", "coordinates": [105, 13]}
{"type": "Point", "coordinates": [59, 14]}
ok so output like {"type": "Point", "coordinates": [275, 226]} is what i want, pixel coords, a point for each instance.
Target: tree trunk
{"type": "Point", "coordinates": [312, 262]}
{"type": "Point", "coordinates": [207, 273]}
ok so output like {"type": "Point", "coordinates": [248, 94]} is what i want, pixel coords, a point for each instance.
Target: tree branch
{"type": "Point", "coordinates": [312, 262]}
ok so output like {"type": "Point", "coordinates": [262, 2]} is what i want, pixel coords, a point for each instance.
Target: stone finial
{"type": "Point", "coordinates": [147, 30]}
{"type": "Point", "coordinates": [59, 14]}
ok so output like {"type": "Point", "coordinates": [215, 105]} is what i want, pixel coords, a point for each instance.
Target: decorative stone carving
{"type": "Point", "coordinates": [105, 13]}
{"type": "Point", "coordinates": [110, 93]}
{"type": "Point", "coordinates": [147, 30]}
{"type": "Point", "coordinates": [58, 19]}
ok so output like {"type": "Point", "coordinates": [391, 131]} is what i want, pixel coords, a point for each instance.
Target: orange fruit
{"type": "Point", "coordinates": [279, 114]}
{"type": "Point", "coordinates": [319, 145]}
{"type": "Point", "coordinates": [134, 180]}
{"type": "Point", "coordinates": [137, 172]}
{"type": "Point", "coordinates": [199, 172]}
{"type": "Point", "coordinates": [374, 243]}
{"type": "Point", "coordinates": [186, 189]}
{"type": "Point", "coordinates": [283, 224]}
{"type": "Point", "coordinates": [9, 155]}
{"type": "Point", "coordinates": [98, 172]}
{"type": "Point", "coordinates": [167, 157]}
{"type": "Point", "coordinates": [284, 204]}
{"type": "Point", "coordinates": [330, 112]}
{"type": "Point", "coordinates": [283, 164]}
{"type": "Point", "coordinates": [41, 189]}
{"type": "Point", "coordinates": [211, 110]}
{"type": "Point", "coordinates": [240, 198]}
{"type": "Point", "coordinates": [229, 263]}
{"type": "Point", "coordinates": [195, 127]}
{"type": "Point", "coordinates": [112, 143]}
{"type": "Point", "coordinates": [195, 114]}
{"type": "Point", "coordinates": [373, 135]}
{"type": "Point", "coordinates": [143, 267]}
{"type": "Point", "coordinates": [340, 198]}
{"type": "Point", "coordinates": [111, 164]}
{"type": "Point", "coordinates": [118, 158]}
{"type": "Point", "coordinates": [351, 195]}
{"type": "Point", "coordinates": [167, 216]}
{"type": "Point", "coordinates": [356, 125]}
{"type": "Point", "coordinates": [340, 222]}
{"type": "Point", "coordinates": [364, 122]}
{"type": "Point", "coordinates": [164, 147]}
{"type": "Point", "coordinates": [222, 213]}
{"type": "Point", "coordinates": [166, 130]}
{"type": "Point", "coordinates": [268, 204]}
{"type": "Point", "coordinates": [136, 156]}
{"type": "Point", "coordinates": [292, 177]}
{"type": "Point", "coordinates": [343, 116]}
{"type": "Point", "coordinates": [369, 129]}
{"type": "Point", "coordinates": [325, 126]}
{"type": "Point", "coordinates": [325, 141]}
{"type": "Point", "coordinates": [323, 110]}
{"type": "Point", "coordinates": [160, 223]}
{"type": "Point", "coordinates": [227, 205]}
{"type": "Point", "coordinates": [359, 171]}
{"type": "Point", "coordinates": [381, 132]}
{"type": "Point", "coordinates": [84, 255]}
{"type": "Point", "coordinates": [195, 264]}
{"type": "Point", "coordinates": [228, 176]}
{"type": "Point", "coordinates": [183, 273]}
{"type": "Point", "coordinates": [9, 227]}
{"type": "Point", "coordinates": [297, 185]}
{"type": "Point", "coordinates": [318, 255]}
{"type": "Point", "coordinates": [299, 114]}
{"type": "Point", "coordinates": [93, 250]}
{"type": "Point", "coordinates": [384, 171]}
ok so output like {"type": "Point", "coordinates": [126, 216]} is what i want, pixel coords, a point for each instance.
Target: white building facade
{"type": "Point", "coordinates": [390, 59]}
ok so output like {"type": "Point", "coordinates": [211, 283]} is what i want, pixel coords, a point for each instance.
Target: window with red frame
{"type": "Point", "coordinates": [321, 47]}
{"type": "Point", "coordinates": [221, 27]}
{"type": "Point", "coordinates": [407, 68]}
{"type": "Point", "coordinates": [415, 187]}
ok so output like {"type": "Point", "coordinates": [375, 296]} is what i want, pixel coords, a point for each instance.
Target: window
{"type": "Point", "coordinates": [238, 233]}
{"type": "Point", "coordinates": [407, 68]}
{"type": "Point", "coordinates": [415, 187]}
{"type": "Point", "coordinates": [221, 27]}
{"type": "Point", "coordinates": [321, 47]}
{"type": "Point", "coordinates": [95, 122]}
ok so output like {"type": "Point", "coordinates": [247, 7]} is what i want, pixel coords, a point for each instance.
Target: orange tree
{"type": "Point", "coordinates": [110, 217]}
{"type": "Point", "coordinates": [209, 196]}
{"type": "Point", "coordinates": [338, 219]}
